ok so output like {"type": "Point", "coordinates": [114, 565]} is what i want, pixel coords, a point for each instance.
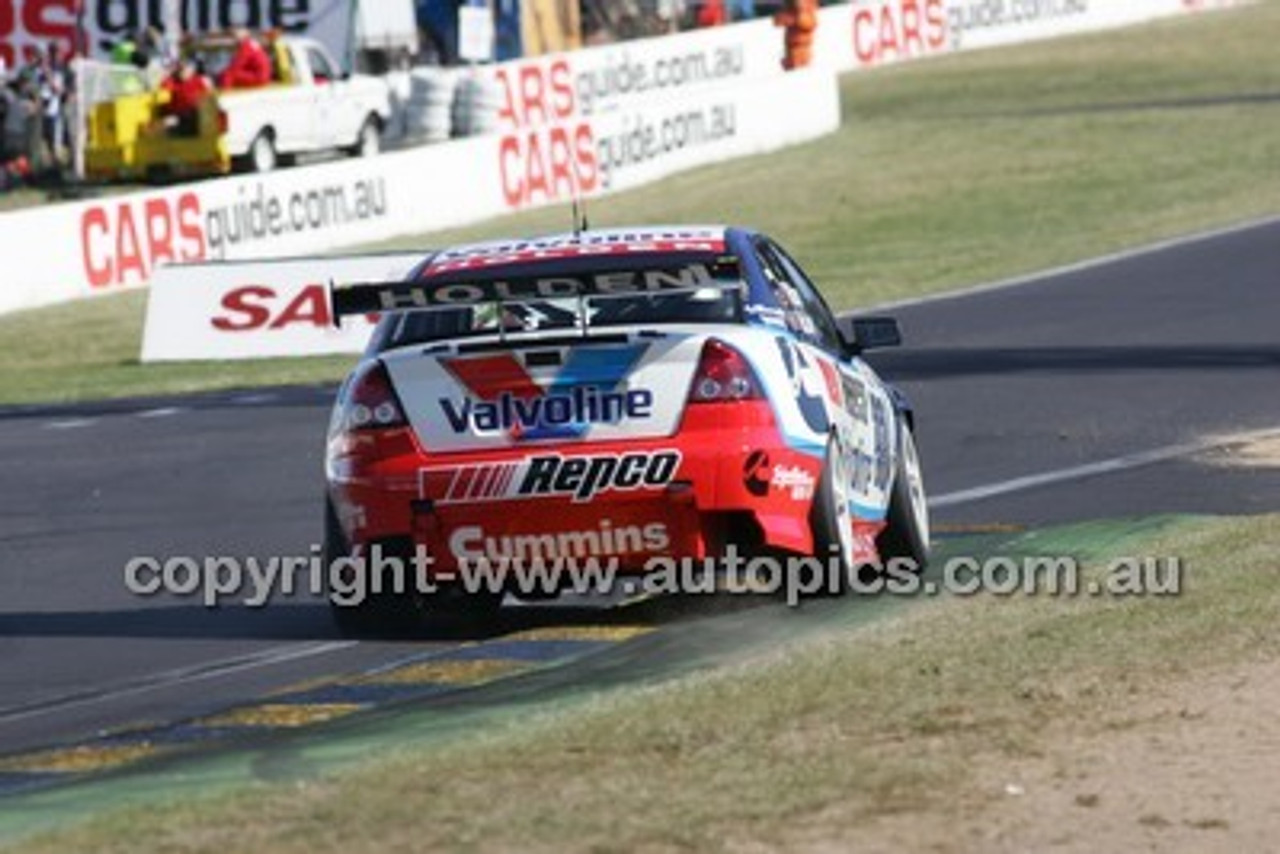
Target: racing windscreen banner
{"type": "Point", "coordinates": [622, 277]}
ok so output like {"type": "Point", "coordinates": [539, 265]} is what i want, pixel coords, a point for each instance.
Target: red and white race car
{"type": "Point", "coordinates": [626, 395]}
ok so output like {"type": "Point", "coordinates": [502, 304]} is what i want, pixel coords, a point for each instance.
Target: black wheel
{"type": "Point", "coordinates": [906, 536]}
{"type": "Point", "coordinates": [380, 614]}
{"type": "Point", "coordinates": [453, 607]}
{"type": "Point", "coordinates": [397, 613]}
{"type": "Point", "coordinates": [262, 155]}
{"type": "Point", "coordinates": [369, 140]}
{"type": "Point", "coordinates": [832, 524]}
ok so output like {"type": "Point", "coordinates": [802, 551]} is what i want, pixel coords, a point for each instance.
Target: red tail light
{"type": "Point", "coordinates": [723, 376]}
{"type": "Point", "coordinates": [370, 402]}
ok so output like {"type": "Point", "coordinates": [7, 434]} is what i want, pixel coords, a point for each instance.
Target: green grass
{"type": "Point", "coordinates": [89, 349]}
{"type": "Point", "coordinates": [945, 173]}
{"type": "Point", "coordinates": [24, 197]}
{"type": "Point", "coordinates": [808, 744]}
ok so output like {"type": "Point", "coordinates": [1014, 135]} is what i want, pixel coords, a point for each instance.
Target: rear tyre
{"type": "Point", "coordinates": [906, 536]}
{"type": "Point", "coordinates": [454, 608]}
{"type": "Point", "coordinates": [381, 614]}
{"type": "Point", "coordinates": [832, 525]}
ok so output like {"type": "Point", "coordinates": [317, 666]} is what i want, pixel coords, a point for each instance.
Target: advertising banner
{"type": "Point", "coordinates": [869, 33]}
{"type": "Point", "coordinates": [237, 310]}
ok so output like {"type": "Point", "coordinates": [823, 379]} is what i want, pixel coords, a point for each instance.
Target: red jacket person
{"type": "Point", "coordinates": [250, 66]}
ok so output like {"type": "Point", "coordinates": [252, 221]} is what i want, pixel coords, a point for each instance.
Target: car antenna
{"type": "Point", "coordinates": [580, 223]}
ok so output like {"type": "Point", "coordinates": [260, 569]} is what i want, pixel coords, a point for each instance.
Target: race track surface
{"type": "Point", "coordinates": [1155, 350]}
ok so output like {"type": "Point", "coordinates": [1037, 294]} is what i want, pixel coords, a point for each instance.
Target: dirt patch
{"type": "Point", "coordinates": [1261, 453]}
{"type": "Point", "coordinates": [1194, 768]}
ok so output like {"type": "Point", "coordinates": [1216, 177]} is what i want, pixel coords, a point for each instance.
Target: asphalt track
{"type": "Point", "coordinates": [1098, 363]}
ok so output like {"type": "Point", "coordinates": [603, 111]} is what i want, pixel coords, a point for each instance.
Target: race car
{"type": "Point", "coordinates": [621, 395]}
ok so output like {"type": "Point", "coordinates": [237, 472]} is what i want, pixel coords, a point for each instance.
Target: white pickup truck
{"type": "Point", "coordinates": [311, 105]}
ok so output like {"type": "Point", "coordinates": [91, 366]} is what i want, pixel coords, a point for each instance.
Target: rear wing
{"type": "Point", "coordinates": [623, 277]}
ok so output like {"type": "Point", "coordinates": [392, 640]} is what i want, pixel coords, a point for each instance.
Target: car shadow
{"type": "Point", "coordinates": [313, 621]}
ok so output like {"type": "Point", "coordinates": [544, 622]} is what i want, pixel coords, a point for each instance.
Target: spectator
{"type": "Point", "coordinates": [52, 75]}
{"type": "Point", "coordinates": [14, 173]}
{"type": "Point", "coordinates": [669, 14]}
{"type": "Point", "coordinates": [122, 52]}
{"type": "Point", "coordinates": [24, 126]}
{"type": "Point", "coordinates": [800, 17]}
{"type": "Point", "coordinates": [249, 67]}
{"type": "Point", "coordinates": [187, 88]}
{"type": "Point", "coordinates": [711, 13]}
{"type": "Point", "coordinates": [8, 103]}
{"type": "Point", "coordinates": [158, 50]}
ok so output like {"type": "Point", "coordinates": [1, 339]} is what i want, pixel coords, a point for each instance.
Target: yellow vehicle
{"type": "Point", "coordinates": [130, 139]}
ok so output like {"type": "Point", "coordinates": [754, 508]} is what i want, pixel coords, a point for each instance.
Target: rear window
{"type": "Point", "coordinates": [718, 304]}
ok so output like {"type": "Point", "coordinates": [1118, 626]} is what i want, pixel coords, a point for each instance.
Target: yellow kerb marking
{"type": "Point", "coordinates": [612, 634]}
{"type": "Point", "coordinates": [450, 672]}
{"type": "Point", "coordinates": [81, 759]}
{"type": "Point", "coordinates": [299, 687]}
{"type": "Point", "coordinates": [281, 715]}
{"type": "Point", "coordinates": [988, 528]}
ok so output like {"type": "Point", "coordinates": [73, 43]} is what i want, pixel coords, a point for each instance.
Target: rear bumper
{"type": "Point", "coordinates": [726, 475]}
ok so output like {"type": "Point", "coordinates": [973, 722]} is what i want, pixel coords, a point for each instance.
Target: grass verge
{"type": "Point", "coordinates": [805, 745]}
{"type": "Point", "coordinates": [945, 173]}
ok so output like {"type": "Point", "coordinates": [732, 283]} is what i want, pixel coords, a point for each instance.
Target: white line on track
{"type": "Point", "coordinates": [1087, 470]}
{"type": "Point", "coordinates": [70, 423]}
{"type": "Point", "coordinates": [1081, 266]}
{"type": "Point", "coordinates": [255, 399]}
{"type": "Point", "coordinates": [162, 412]}
{"type": "Point", "coordinates": [171, 678]}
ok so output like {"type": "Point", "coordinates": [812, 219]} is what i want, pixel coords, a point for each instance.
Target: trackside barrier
{"type": "Point", "coordinates": [851, 36]}
{"type": "Point", "coordinates": [555, 111]}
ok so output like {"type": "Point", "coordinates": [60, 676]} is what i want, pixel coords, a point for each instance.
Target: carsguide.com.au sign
{"type": "Point", "coordinates": [876, 32]}
{"type": "Point", "coordinates": [122, 242]}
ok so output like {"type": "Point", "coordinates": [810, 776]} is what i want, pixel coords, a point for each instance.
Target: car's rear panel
{"type": "Point", "coordinates": [630, 499]}
{"type": "Point", "coordinates": [621, 463]}
{"type": "Point", "coordinates": [562, 392]}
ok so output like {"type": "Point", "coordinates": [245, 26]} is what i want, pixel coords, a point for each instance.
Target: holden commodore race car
{"type": "Point", "coordinates": [626, 395]}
